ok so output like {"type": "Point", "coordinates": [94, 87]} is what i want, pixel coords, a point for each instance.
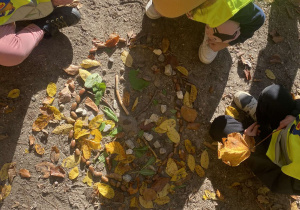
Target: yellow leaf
{"type": "Point", "coordinates": [162, 201]}
{"type": "Point", "coordinates": [88, 179]}
{"type": "Point", "coordinates": [105, 190]}
{"type": "Point", "coordinates": [97, 135]}
{"type": "Point", "coordinates": [5, 191]}
{"type": "Point", "coordinates": [173, 135]}
{"type": "Point", "coordinates": [15, 93]}
{"type": "Point", "coordinates": [171, 168]}
{"type": "Point", "coordinates": [179, 174]}
{"type": "Point", "coordinates": [186, 100]}
{"type": "Point", "coordinates": [193, 94]}
{"type": "Point", "coordinates": [204, 159]}
{"type": "Point", "coordinates": [88, 63]}
{"type": "Point", "coordinates": [167, 123]}
{"type": "Point", "coordinates": [122, 168]}
{"type": "Point", "coordinates": [145, 204]}
{"type": "Point", "coordinates": [165, 45]}
{"type": "Point", "coordinates": [41, 122]}
{"type": "Point", "coordinates": [63, 129]}
{"type": "Point", "coordinates": [231, 111]}
{"type": "Point", "coordinates": [164, 192]}
{"type": "Point", "coordinates": [51, 89]}
{"type": "Point", "coordinates": [73, 174]}
{"type": "Point", "coordinates": [96, 122]}
{"type": "Point", "coordinates": [134, 203]}
{"type": "Point", "coordinates": [191, 162]}
{"type": "Point", "coordinates": [78, 126]}
{"type": "Point", "coordinates": [4, 170]}
{"type": "Point", "coordinates": [159, 130]}
{"type": "Point", "coordinates": [48, 100]}
{"type": "Point", "coordinates": [115, 148]}
{"type": "Point", "coordinates": [71, 161]}
{"type": "Point", "coordinates": [219, 195]}
{"type": "Point", "coordinates": [129, 159]}
{"type": "Point", "coordinates": [82, 133]}
{"type": "Point", "coordinates": [136, 101]}
{"type": "Point", "coordinates": [209, 195]}
{"type": "Point", "coordinates": [86, 151]}
{"type": "Point", "coordinates": [270, 74]}
{"type": "Point", "coordinates": [39, 149]}
{"type": "Point", "coordinates": [126, 58]}
{"type": "Point", "coordinates": [84, 74]}
{"type": "Point", "coordinates": [182, 70]}
{"type": "Point", "coordinates": [199, 170]}
{"type": "Point", "coordinates": [143, 187]}
{"type": "Point", "coordinates": [56, 112]}
{"type": "Point", "coordinates": [189, 146]}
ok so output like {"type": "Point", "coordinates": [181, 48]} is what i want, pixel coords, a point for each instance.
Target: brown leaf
{"type": "Point", "coordinates": [90, 103]}
{"type": "Point", "coordinates": [278, 39]}
{"type": "Point", "coordinates": [44, 167]}
{"type": "Point", "coordinates": [247, 74]}
{"type": "Point", "coordinates": [193, 126]}
{"type": "Point", "coordinates": [132, 190]}
{"type": "Point", "coordinates": [31, 140]}
{"type": "Point", "coordinates": [54, 155]}
{"type": "Point", "coordinates": [11, 172]}
{"type": "Point", "coordinates": [72, 69]}
{"type": "Point", "coordinates": [126, 98]}
{"type": "Point", "coordinates": [113, 41]}
{"type": "Point", "coordinates": [147, 127]}
{"type": "Point", "coordinates": [24, 173]}
{"type": "Point", "coordinates": [41, 122]}
{"type": "Point", "coordinates": [149, 194]}
{"type": "Point", "coordinates": [39, 149]}
{"type": "Point", "coordinates": [165, 45]}
{"type": "Point", "coordinates": [275, 59]}
{"type": "Point", "coordinates": [246, 62]}
{"type": "Point", "coordinates": [188, 114]}
{"type": "Point", "coordinates": [160, 183]}
{"type": "Point", "coordinates": [65, 95]}
{"type": "Point", "coordinates": [57, 171]}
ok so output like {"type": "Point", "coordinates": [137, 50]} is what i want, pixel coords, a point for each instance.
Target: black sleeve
{"type": "Point", "coordinates": [251, 18]}
{"type": "Point", "coordinates": [296, 111]}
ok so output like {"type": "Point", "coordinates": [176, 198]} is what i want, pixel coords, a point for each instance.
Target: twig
{"type": "Point", "coordinates": [147, 106]}
{"type": "Point", "coordinates": [118, 95]}
{"type": "Point", "coordinates": [96, 157]}
{"type": "Point", "coordinates": [150, 149]}
{"type": "Point", "coordinates": [265, 138]}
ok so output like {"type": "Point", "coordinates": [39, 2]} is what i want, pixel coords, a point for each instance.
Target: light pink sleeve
{"type": "Point", "coordinates": [61, 2]}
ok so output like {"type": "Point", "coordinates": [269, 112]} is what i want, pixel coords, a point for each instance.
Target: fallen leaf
{"type": "Point", "coordinates": [92, 80]}
{"type": "Point", "coordinates": [149, 194]}
{"type": "Point", "coordinates": [246, 62]}
{"type": "Point", "coordinates": [134, 203]}
{"type": "Point", "coordinates": [235, 148]}
{"type": "Point", "coordinates": [208, 195]}
{"type": "Point", "coordinates": [294, 206]}
{"type": "Point", "coordinates": [105, 190]}
{"type": "Point", "coordinates": [88, 63]}
{"type": "Point", "coordinates": [71, 161]}
{"type": "Point", "coordinates": [115, 148]}
{"type": "Point", "coordinates": [145, 204]}
{"type": "Point", "coordinates": [173, 135]}
{"type": "Point", "coordinates": [44, 167]}
{"type": "Point", "coordinates": [247, 74]}
{"type": "Point", "coordinates": [165, 125]}
{"type": "Point", "coordinates": [48, 100]}
{"type": "Point", "coordinates": [191, 162]}
{"type": "Point", "coordinates": [41, 122]}
{"type": "Point", "coordinates": [193, 94]}
{"type": "Point", "coordinates": [39, 149]}
{"type": "Point", "coordinates": [162, 201]}
{"type": "Point", "coordinates": [11, 172]}
{"type": "Point", "coordinates": [219, 195]}
{"type": "Point", "coordinates": [73, 174]}
{"type": "Point", "coordinates": [51, 89]}
{"type": "Point", "coordinates": [278, 39]}
{"type": "Point", "coordinates": [57, 171]}
{"type": "Point", "coordinates": [63, 129]}
{"type": "Point", "coordinates": [72, 69]}
{"type": "Point", "coordinates": [186, 100]}
{"type": "Point", "coordinates": [84, 74]}
{"type": "Point", "coordinates": [204, 159]}
{"type": "Point", "coordinates": [164, 192]}
{"type": "Point", "coordinates": [82, 133]}
{"type": "Point", "coordinates": [126, 58]}
{"type": "Point", "coordinates": [5, 191]}
{"type": "Point", "coordinates": [135, 82]}
{"type": "Point", "coordinates": [231, 111]}
{"type": "Point", "coordinates": [193, 126]}
{"type": "Point", "coordinates": [88, 179]}
{"type": "Point", "coordinates": [132, 190]}
{"type": "Point", "coordinates": [97, 135]}
{"type": "Point", "coordinates": [179, 174]}
{"type": "Point", "coordinates": [54, 155]}
{"type": "Point", "coordinates": [188, 114]}
{"type": "Point", "coordinates": [126, 98]}
{"type": "Point", "coordinates": [182, 70]}
{"type": "Point", "coordinates": [96, 122]}
{"type": "Point", "coordinates": [199, 170]}
{"type": "Point", "coordinates": [189, 146]}
{"type": "Point", "coordinates": [113, 41]}
{"type": "Point", "coordinates": [90, 103]}
{"type": "Point", "coordinates": [24, 173]}
{"type": "Point", "coordinates": [275, 59]}
{"type": "Point", "coordinates": [165, 45]}
{"type": "Point", "coordinates": [86, 151]}
{"type": "Point", "coordinates": [15, 93]}
{"type": "Point", "coordinates": [160, 183]}
{"type": "Point", "coordinates": [136, 101]}
{"type": "Point", "coordinates": [31, 140]}
{"type": "Point", "coordinates": [171, 168]}
{"type": "Point", "coordinates": [270, 74]}
{"type": "Point", "coordinates": [263, 190]}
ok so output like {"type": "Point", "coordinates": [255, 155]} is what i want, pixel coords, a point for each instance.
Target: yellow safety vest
{"type": "Point", "coordinates": [218, 13]}
{"type": "Point", "coordinates": [17, 10]}
{"type": "Point", "coordinates": [284, 149]}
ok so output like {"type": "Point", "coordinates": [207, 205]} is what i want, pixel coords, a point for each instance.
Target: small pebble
{"type": "Point", "coordinates": [107, 127]}
{"type": "Point", "coordinates": [156, 144]}
{"type": "Point", "coordinates": [163, 108]}
{"type": "Point", "coordinates": [79, 111]}
{"type": "Point", "coordinates": [33, 98]}
{"type": "Point", "coordinates": [148, 136]}
{"type": "Point", "coordinates": [154, 118]}
{"type": "Point", "coordinates": [91, 117]}
{"type": "Point", "coordinates": [161, 58]}
{"type": "Point", "coordinates": [115, 105]}
{"type": "Point", "coordinates": [157, 51]}
{"type": "Point", "coordinates": [56, 183]}
{"type": "Point", "coordinates": [61, 107]}
{"type": "Point", "coordinates": [111, 59]}
{"type": "Point", "coordinates": [168, 70]}
{"type": "Point", "coordinates": [84, 113]}
{"type": "Point", "coordinates": [127, 178]}
{"type": "Point", "coordinates": [179, 95]}
{"type": "Point", "coordinates": [162, 151]}
{"type": "Point", "coordinates": [129, 152]}
{"type": "Point", "coordinates": [129, 144]}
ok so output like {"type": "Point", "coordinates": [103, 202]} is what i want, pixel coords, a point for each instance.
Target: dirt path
{"type": "Point", "coordinates": [215, 83]}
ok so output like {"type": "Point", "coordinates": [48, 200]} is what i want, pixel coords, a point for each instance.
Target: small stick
{"type": "Point", "coordinates": [102, 99]}
{"type": "Point", "coordinates": [96, 157]}
{"type": "Point", "coordinates": [265, 138]}
{"type": "Point", "coordinates": [150, 148]}
{"type": "Point", "coordinates": [150, 102]}
{"type": "Point", "coordinates": [118, 95]}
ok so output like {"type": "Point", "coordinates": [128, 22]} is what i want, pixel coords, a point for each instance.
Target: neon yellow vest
{"type": "Point", "coordinates": [219, 12]}
{"type": "Point", "coordinates": [284, 149]}
{"type": "Point", "coordinates": [25, 10]}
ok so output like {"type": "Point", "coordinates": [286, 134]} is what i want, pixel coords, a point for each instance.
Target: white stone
{"type": "Point", "coordinates": [179, 94]}
{"type": "Point", "coordinates": [91, 117]}
{"type": "Point", "coordinates": [115, 105]}
{"type": "Point", "coordinates": [168, 70]}
{"type": "Point", "coordinates": [84, 113]}
{"type": "Point", "coordinates": [157, 144]}
{"type": "Point", "coordinates": [79, 111]}
{"type": "Point", "coordinates": [127, 178]}
{"type": "Point", "coordinates": [129, 152]}
{"type": "Point", "coordinates": [129, 144]}
{"type": "Point", "coordinates": [157, 51]}
{"type": "Point", "coordinates": [107, 127]}
{"type": "Point", "coordinates": [148, 136]}
{"type": "Point", "coordinates": [163, 108]}
{"type": "Point", "coordinates": [154, 118]}
{"type": "Point", "coordinates": [162, 151]}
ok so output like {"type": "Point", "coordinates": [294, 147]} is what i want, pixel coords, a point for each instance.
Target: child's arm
{"type": "Point", "coordinates": [251, 18]}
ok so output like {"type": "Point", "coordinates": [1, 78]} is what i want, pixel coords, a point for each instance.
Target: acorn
{"type": "Point", "coordinates": [97, 173]}
{"type": "Point", "coordinates": [91, 169]}
{"type": "Point", "coordinates": [83, 160]}
{"type": "Point", "coordinates": [72, 86]}
{"type": "Point", "coordinates": [73, 106]}
{"type": "Point", "coordinates": [71, 134]}
{"type": "Point", "coordinates": [88, 163]}
{"type": "Point", "coordinates": [73, 143]}
{"type": "Point", "coordinates": [74, 115]}
{"type": "Point", "coordinates": [77, 152]}
{"type": "Point", "coordinates": [104, 179]}
{"type": "Point", "coordinates": [77, 99]}
{"type": "Point", "coordinates": [82, 91]}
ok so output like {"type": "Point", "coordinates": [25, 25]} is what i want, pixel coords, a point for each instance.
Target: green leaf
{"type": "Point", "coordinates": [135, 82]}
{"type": "Point", "coordinates": [150, 162]}
{"type": "Point", "coordinates": [110, 113]}
{"type": "Point", "coordinates": [115, 131]}
{"type": "Point", "coordinates": [101, 158]}
{"type": "Point", "coordinates": [141, 133]}
{"type": "Point", "coordinates": [139, 152]}
{"type": "Point", "coordinates": [98, 97]}
{"type": "Point", "coordinates": [155, 102]}
{"type": "Point", "coordinates": [92, 79]}
{"type": "Point", "coordinates": [99, 86]}
{"type": "Point", "coordinates": [147, 172]}
{"type": "Point", "coordinates": [102, 126]}
{"type": "Point", "coordinates": [173, 111]}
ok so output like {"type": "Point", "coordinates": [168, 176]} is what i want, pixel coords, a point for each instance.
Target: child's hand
{"type": "Point", "coordinates": [252, 130]}
{"type": "Point", "coordinates": [286, 121]}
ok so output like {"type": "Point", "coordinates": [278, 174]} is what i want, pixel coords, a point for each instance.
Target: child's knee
{"type": "Point", "coordinates": [13, 59]}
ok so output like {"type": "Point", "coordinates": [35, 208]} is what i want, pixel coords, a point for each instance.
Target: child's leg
{"type": "Point", "coordinates": [16, 47]}
{"type": "Point", "coordinates": [61, 2]}
{"type": "Point", "coordinates": [224, 125]}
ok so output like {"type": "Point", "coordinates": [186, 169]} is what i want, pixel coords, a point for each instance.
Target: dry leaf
{"type": "Point", "coordinates": [235, 149]}
{"type": "Point", "coordinates": [173, 135]}
{"type": "Point", "coordinates": [165, 45]}
{"type": "Point", "coordinates": [188, 114]}
{"type": "Point", "coordinates": [270, 74]}
{"type": "Point", "coordinates": [193, 126]}
{"type": "Point", "coordinates": [199, 170]}
{"type": "Point", "coordinates": [57, 171]}
{"type": "Point", "coordinates": [41, 122]}
{"type": "Point", "coordinates": [11, 172]}
{"type": "Point", "coordinates": [162, 201]}
{"type": "Point", "coordinates": [164, 192]}
{"type": "Point", "coordinates": [51, 89]}
{"type": "Point", "coordinates": [149, 194]}
{"type": "Point", "coordinates": [209, 195]}
{"type": "Point", "coordinates": [97, 135]}
{"type": "Point", "coordinates": [219, 195]}
{"type": "Point", "coordinates": [73, 174]}
{"type": "Point", "coordinates": [105, 190]}
{"type": "Point", "coordinates": [247, 74]}
{"type": "Point", "coordinates": [191, 162]}
{"type": "Point", "coordinates": [86, 151]}
{"type": "Point", "coordinates": [24, 173]}
{"type": "Point", "coordinates": [71, 161]}
{"type": "Point", "coordinates": [126, 58]}
{"type": "Point", "coordinates": [126, 98]}
{"type": "Point", "coordinates": [231, 111]}
{"type": "Point", "coordinates": [182, 70]}
{"type": "Point", "coordinates": [89, 102]}
{"type": "Point", "coordinates": [132, 190]}
{"type": "Point", "coordinates": [48, 100]}
{"type": "Point", "coordinates": [82, 133]}
{"type": "Point", "coordinates": [165, 125]}
{"type": "Point", "coordinates": [275, 59]}
{"type": "Point", "coordinates": [54, 155]}
{"type": "Point", "coordinates": [88, 63]}
{"type": "Point", "coordinates": [31, 140]}
{"type": "Point", "coordinates": [115, 148]}
{"type": "Point", "coordinates": [72, 69]}
{"type": "Point", "coordinates": [204, 159]}
{"type": "Point", "coordinates": [39, 149]}
{"type": "Point", "coordinates": [145, 204]}
{"type": "Point", "coordinates": [193, 94]}
{"type": "Point", "coordinates": [136, 101]}
{"type": "Point", "coordinates": [5, 191]}
{"type": "Point", "coordinates": [63, 129]}
{"type": "Point", "coordinates": [134, 203]}
{"type": "Point", "coordinates": [186, 100]}
{"type": "Point", "coordinates": [4, 171]}
{"type": "Point", "coordinates": [96, 122]}
{"type": "Point", "coordinates": [84, 74]}
{"type": "Point", "coordinates": [171, 168]}
{"type": "Point", "coordinates": [122, 168]}
{"type": "Point", "coordinates": [189, 146]}
{"type": "Point", "coordinates": [160, 183]}
{"type": "Point", "coordinates": [88, 179]}
{"type": "Point", "coordinates": [179, 174]}
{"type": "Point", "coordinates": [113, 41]}
{"type": "Point", "coordinates": [263, 190]}
{"type": "Point", "coordinates": [15, 93]}
{"type": "Point", "coordinates": [44, 167]}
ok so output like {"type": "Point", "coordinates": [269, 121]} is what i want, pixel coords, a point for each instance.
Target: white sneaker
{"type": "Point", "coordinates": [246, 102]}
{"type": "Point", "coordinates": [206, 54]}
{"type": "Point", "coordinates": [151, 11]}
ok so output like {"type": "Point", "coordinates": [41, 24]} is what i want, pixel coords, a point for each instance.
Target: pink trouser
{"type": "Point", "coordinates": [16, 47]}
